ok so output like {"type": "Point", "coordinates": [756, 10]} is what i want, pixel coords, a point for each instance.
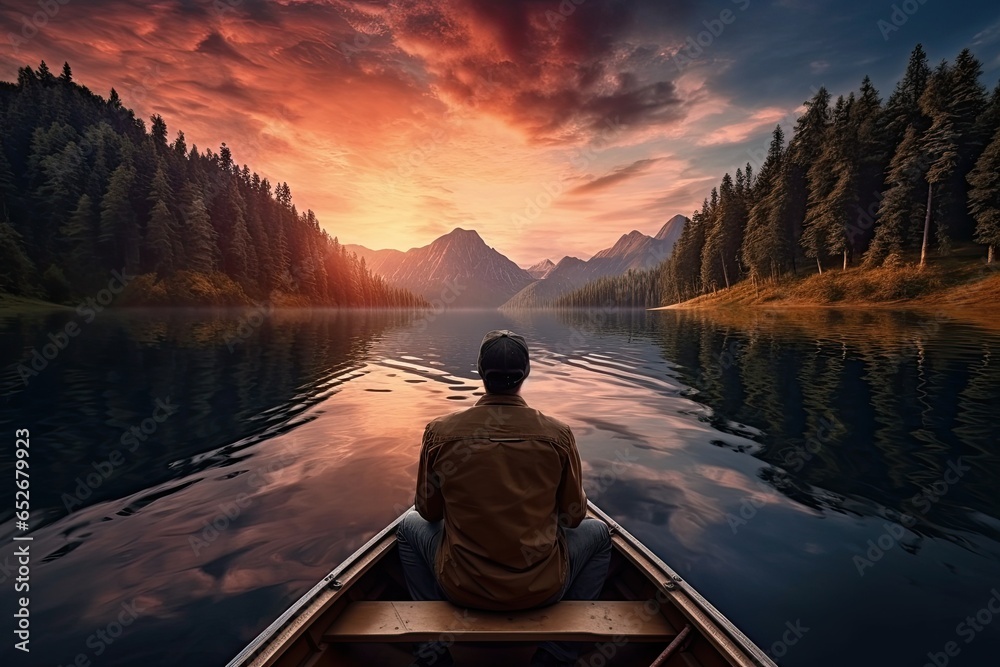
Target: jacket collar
{"type": "Point", "coordinates": [502, 399]}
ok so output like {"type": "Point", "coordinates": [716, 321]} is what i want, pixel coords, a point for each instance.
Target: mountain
{"type": "Point", "coordinates": [672, 230]}
{"type": "Point", "coordinates": [541, 269]}
{"type": "Point", "coordinates": [488, 279]}
{"type": "Point", "coordinates": [457, 268]}
{"type": "Point", "coordinates": [567, 275]}
{"type": "Point", "coordinates": [375, 259]}
{"type": "Point", "coordinates": [634, 250]}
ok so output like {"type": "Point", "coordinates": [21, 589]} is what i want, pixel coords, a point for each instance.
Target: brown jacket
{"type": "Point", "coordinates": [503, 477]}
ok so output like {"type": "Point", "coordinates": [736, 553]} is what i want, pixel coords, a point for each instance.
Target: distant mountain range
{"type": "Point", "coordinates": [541, 269]}
{"type": "Point", "coordinates": [634, 250]}
{"type": "Point", "coordinates": [458, 268]}
{"type": "Point", "coordinates": [463, 271]}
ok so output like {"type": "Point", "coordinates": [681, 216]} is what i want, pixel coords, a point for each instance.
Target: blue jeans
{"type": "Point", "coordinates": [589, 546]}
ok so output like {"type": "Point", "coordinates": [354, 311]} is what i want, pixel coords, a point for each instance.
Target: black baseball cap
{"type": "Point", "coordinates": [503, 360]}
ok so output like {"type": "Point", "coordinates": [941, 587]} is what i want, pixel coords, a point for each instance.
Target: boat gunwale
{"type": "Point", "coordinates": [268, 634]}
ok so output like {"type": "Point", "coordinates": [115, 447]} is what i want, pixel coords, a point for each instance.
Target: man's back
{"type": "Point", "coordinates": [503, 477]}
{"type": "Point", "coordinates": [500, 508]}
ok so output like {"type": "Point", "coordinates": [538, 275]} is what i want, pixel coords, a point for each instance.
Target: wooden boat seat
{"type": "Point", "coordinates": [569, 620]}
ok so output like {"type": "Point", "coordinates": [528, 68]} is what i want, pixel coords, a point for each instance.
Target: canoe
{"type": "Point", "coordinates": [360, 614]}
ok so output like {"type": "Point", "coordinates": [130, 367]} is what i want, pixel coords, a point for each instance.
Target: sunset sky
{"type": "Point", "coordinates": [550, 127]}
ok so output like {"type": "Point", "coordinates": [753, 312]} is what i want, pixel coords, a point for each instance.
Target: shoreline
{"type": "Point", "coordinates": [10, 304]}
{"type": "Point", "coordinates": [902, 288]}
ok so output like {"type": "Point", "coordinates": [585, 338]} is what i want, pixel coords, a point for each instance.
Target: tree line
{"type": "Point", "coordinates": [860, 182]}
{"type": "Point", "coordinates": [86, 188]}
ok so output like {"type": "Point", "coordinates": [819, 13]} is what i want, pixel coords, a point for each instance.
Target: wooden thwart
{"type": "Point", "coordinates": [569, 620]}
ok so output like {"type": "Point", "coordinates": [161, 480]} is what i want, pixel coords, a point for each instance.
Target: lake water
{"type": "Point", "coordinates": [827, 470]}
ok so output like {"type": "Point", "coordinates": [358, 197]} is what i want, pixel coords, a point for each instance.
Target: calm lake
{"type": "Point", "coordinates": [834, 471]}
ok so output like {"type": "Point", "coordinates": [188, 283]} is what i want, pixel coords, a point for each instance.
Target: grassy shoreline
{"type": "Point", "coordinates": [11, 302]}
{"type": "Point", "coordinates": [957, 282]}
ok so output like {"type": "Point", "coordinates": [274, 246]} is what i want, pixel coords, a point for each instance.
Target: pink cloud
{"type": "Point", "coordinates": [744, 129]}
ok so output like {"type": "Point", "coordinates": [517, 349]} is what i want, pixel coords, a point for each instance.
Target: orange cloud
{"type": "Point", "coordinates": [397, 121]}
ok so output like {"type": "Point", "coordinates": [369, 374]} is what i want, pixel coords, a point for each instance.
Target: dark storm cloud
{"type": "Point", "coordinates": [558, 70]}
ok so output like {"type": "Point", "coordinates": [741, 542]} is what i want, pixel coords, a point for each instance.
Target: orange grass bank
{"type": "Point", "coordinates": [959, 281]}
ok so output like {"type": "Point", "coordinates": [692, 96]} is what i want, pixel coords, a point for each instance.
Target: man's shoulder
{"type": "Point", "coordinates": [448, 422]}
{"type": "Point", "coordinates": [555, 424]}
{"type": "Point", "coordinates": [531, 419]}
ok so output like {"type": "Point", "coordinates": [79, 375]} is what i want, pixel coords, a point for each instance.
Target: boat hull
{"type": "Point", "coordinates": [360, 614]}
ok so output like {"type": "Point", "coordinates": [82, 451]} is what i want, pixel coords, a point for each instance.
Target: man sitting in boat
{"type": "Point", "coordinates": [500, 507]}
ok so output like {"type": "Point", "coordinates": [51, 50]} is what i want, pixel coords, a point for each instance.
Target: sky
{"type": "Point", "coordinates": [552, 127]}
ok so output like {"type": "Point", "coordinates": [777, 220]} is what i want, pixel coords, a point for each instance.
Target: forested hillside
{"type": "Point", "coordinates": [860, 183]}
{"type": "Point", "coordinates": [87, 189]}
{"type": "Point", "coordinates": [634, 289]}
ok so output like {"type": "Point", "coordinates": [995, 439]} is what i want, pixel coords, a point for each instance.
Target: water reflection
{"type": "Point", "coordinates": [227, 391]}
{"type": "Point", "coordinates": [875, 405]}
{"type": "Point", "coordinates": [756, 454]}
{"type": "Point", "coordinates": [859, 421]}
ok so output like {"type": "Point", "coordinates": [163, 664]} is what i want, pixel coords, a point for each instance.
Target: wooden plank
{"type": "Point", "coordinates": [569, 620]}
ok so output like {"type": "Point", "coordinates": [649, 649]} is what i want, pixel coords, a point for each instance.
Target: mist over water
{"type": "Point", "coordinates": [826, 469]}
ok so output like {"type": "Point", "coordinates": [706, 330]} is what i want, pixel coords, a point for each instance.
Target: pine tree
{"type": "Point", "coordinates": [903, 107]}
{"type": "Point", "coordinates": [59, 188]}
{"type": "Point", "coordinates": [989, 120]}
{"type": "Point", "coordinates": [17, 271]}
{"type": "Point", "coordinates": [984, 197]}
{"type": "Point", "coordinates": [8, 188]}
{"type": "Point", "coordinates": [741, 184]}
{"type": "Point", "coordinates": [228, 215]}
{"type": "Point", "coordinates": [903, 208]}
{"type": "Point", "coordinates": [940, 146]}
{"type": "Point", "coordinates": [103, 146]}
{"type": "Point", "coordinates": [835, 182]}
{"type": "Point", "coordinates": [681, 275]}
{"type": "Point", "coordinates": [198, 233]}
{"type": "Point", "coordinates": [765, 250]}
{"type": "Point", "coordinates": [872, 154]}
{"type": "Point", "coordinates": [26, 78]}
{"type": "Point", "coordinates": [965, 101]}
{"type": "Point", "coordinates": [45, 143]}
{"type": "Point", "coordinates": [159, 241]}
{"type": "Point", "coordinates": [158, 131]}
{"type": "Point", "coordinates": [280, 258]}
{"type": "Point", "coordinates": [44, 73]}
{"type": "Point", "coordinates": [117, 218]}
{"type": "Point", "coordinates": [77, 238]}
{"type": "Point", "coordinates": [823, 214]}
{"type": "Point", "coordinates": [180, 146]}
{"type": "Point", "coordinates": [263, 265]}
{"type": "Point", "coordinates": [723, 238]}
{"type": "Point", "coordinates": [804, 150]}
{"type": "Point", "coordinates": [709, 223]}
